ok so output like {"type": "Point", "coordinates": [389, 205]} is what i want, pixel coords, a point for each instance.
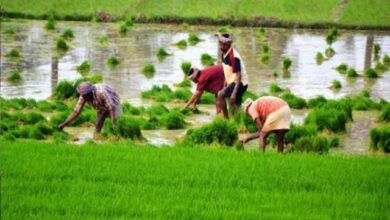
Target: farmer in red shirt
{"type": "Point", "coordinates": [210, 79]}
{"type": "Point", "coordinates": [271, 115]}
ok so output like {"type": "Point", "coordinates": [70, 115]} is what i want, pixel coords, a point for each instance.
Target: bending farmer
{"type": "Point", "coordinates": [102, 97]}
{"type": "Point", "coordinates": [210, 79]}
{"type": "Point", "coordinates": [271, 115]}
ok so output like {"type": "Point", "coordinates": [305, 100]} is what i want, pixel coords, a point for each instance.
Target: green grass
{"type": "Point", "coordinates": [375, 12]}
{"type": "Point", "coordinates": [46, 181]}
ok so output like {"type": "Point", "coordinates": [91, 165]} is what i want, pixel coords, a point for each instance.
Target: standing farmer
{"type": "Point", "coordinates": [271, 115]}
{"type": "Point", "coordinates": [103, 98]}
{"type": "Point", "coordinates": [210, 79]}
{"type": "Point", "coordinates": [235, 76]}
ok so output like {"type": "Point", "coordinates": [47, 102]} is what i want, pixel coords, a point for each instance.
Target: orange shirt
{"type": "Point", "coordinates": [264, 106]}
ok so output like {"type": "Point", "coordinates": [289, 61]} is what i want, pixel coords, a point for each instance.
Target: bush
{"type": "Point", "coordinates": [207, 60]}
{"type": "Point", "coordinates": [342, 68]}
{"type": "Point", "coordinates": [84, 67]}
{"type": "Point", "coordinates": [327, 118]}
{"type": "Point", "coordinates": [294, 101]}
{"type": "Point", "coordinates": [352, 72]}
{"type": "Point", "coordinates": [380, 139]}
{"type": "Point", "coordinates": [336, 84]}
{"type": "Point", "coordinates": [274, 88]}
{"type": "Point", "coordinates": [185, 67]}
{"type": "Point", "coordinates": [286, 63]}
{"type": "Point", "coordinates": [385, 114]}
{"type": "Point", "coordinates": [316, 144]}
{"type": "Point", "coordinates": [14, 77]}
{"type": "Point", "coordinates": [14, 53]}
{"type": "Point", "coordinates": [68, 34]}
{"type": "Point", "coordinates": [220, 131]}
{"type": "Point", "coordinates": [173, 120]}
{"type": "Point", "coordinates": [182, 44]}
{"type": "Point", "coordinates": [371, 73]}
{"type": "Point", "coordinates": [193, 39]}
{"type": "Point", "coordinates": [62, 45]}
{"type": "Point", "coordinates": [161, 53]}
{"type": "Point", "coordinates": [112, 61]}
{"type": "Point", "coordinates": [316, 101]}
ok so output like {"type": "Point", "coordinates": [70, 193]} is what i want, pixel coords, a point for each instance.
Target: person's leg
{"type": "Point", "coordinates": [100, 118]}
{"type": "Point", "coordinates": [280, 139]}
{"type": "Point", "coordinates": [241, 90]}
{"type": "Point", "coordinates": [263, 140]}
{"type": "Point", "coordinates": [222, 104]}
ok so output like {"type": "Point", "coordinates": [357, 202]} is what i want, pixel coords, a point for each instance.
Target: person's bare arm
{"type": "Point", "coordinates": [256, 134]}
{"type": "Point", "coordinates": [194, 99]}
{"type": "Point", "coordinates": [74, 115]}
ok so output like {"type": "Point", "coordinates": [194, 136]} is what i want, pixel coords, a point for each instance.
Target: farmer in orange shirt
{"type": "Point", "coordinates": [271, 115]}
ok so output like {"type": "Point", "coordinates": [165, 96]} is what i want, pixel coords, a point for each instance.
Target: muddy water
{"type": "Point", "coordinates": [138, 47]}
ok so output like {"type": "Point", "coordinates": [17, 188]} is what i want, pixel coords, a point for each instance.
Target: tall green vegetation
{"type": "Point", "coordinates": [14, 53]}
{"type": "Point", "coordinates": [84, 67]}
{"type": "Point", "coordinates": [161, 53]}
{"type": "Point", "coordinates": [193, 39]}
{"type": "Point", "coordinates": [51, 23]}
{"type": "Point", "coordinates": [14, 76]}
{"type": "Point", "coordinates": [286, 64]}
{"type": "Point", "coordinates": [182, 44]}
{"type": "Point", "coordinates": [148, 70]}
{"type": "Point", "coordinates": [61, 45]}
{"type": "Point", "coordinates": [207, 60]}
{"type": "Point", "coordinates": [68, 34]}
{"type": "Point", "coordinates": [380, 139]}
{"type": "Point", "coordinates": [112, 61]}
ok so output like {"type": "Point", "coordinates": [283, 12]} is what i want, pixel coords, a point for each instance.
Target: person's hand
{"type": "Point", "coordinates": [61, 126]}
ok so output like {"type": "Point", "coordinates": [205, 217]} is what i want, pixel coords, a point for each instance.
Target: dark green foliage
{"type": "Point", "coordinates": [112, 61]}
{"type": "Point", "coordinates": [319, 58]}
{"type": "Point", "coordinates": [61, 45]}
{"type": "Point", "coordinates": [342, 105]}
{"type": "Point", "coordinates": [207, 98]}
{"type": "Point", "coordinates": [32, 118]}
{"type": "Point", "coordinates": [274, 88]}
{"type": "Point", "coordinates": [68, 34]}
{"type": "Point", "coordinates": [242, 119]}
{"type": "Point", "coordinates": [332, 36]}
{"type": "Point", "coordinates": [123, 28]}
{"type": "Point", "coordinates": [193, 39]}
{"type": "Point", "coordinates": [286, 63]}
{"type": "Point", "coordinates": [14, 76]}
{"type": "Point", "coordinates": [342, 68]}
{"type": "Point", "coordinates": [317, 143]}
{"type": "Point", "coordinates": [61, 137]}
{"type": "Point", "coordinates": [156, 110]}
{"type": "Point", "coordinates": [44, 128]}
{"type": "Point", "coordinates": [380, 67]}
{"type": "Point", "coordinates": [385, 114]}
{"type": "Point", "coordinates": [64, 90]}
{"type": "Point", "coordinates": [88, 115]}
{"type": "Point", "coordinates": [7, 124]}
{"type": "Point", "coordinates": [161, 53]}
{"type": "Point", "coordinates": [294, 101]}
{"type": "Point", "coordinates": [148, 70]}
{"type": "Point", "coordinates": [327, 118]}
{"type": "Point", "coordinates": [129, 21]}
{"type": "Point", "coordinates": [185, 67]}
{"type": "Point", "coordinates": [380, 139]}
{"type": "Point", "coordinates": [219, 131]}
{"type": "Point", "coordinates": [207, 60]}
{"type": "Point", "coordinates": [386, 60]}
{"type": "Point", "coordinates": [127, 108]}
{"type": "Point", "coordinates": [103, 40]}
{"type": "Point", "coordinates": [336, 84]}
{"type": "Point", "coordinates": [51, 23]}
{"type": "Point", "coordinates": [363, 103]}
{"type": "Point", "coordinates": [173, 120]}
{"type": "Point", "coordinates": [151, 124]}
{"type": "Point", "coordinates": [84, 67]}
{"type": "Point", "coordinates": [371, 73]}
{"type": "Point", "coordinates": [352, 72]}
{"type": "Point", "coordinates": [316, 101]}
{"type": "Point", "coordinates": [17, 103]}
{"type": "Point", "coordinates": [377, 48]}
{"type": "Point", "coordinates": [329, 52]}
{"type": "Point", "coordinates": [182, 44]}
{"type": "Point", "coordinates": [125, 126]}
{"type": "Point", "coordinates": [14, 53]}
{"type": "Point", "coordinates": [334, 141]}
{"type": "Point", "coordinates": [298, 131]}
{"type": "Point", "coordinates": [156, 91]}
{"type": "Point", "coordinates": [46, 106]}
{"type": "Point", "coordinates": [10, 31]}
{"type": "Point", "coordinates": [35, 133]}
{"type": "Point", "coordinates": [265, 48]}
{"type": "Point", "coordinates": [265, 58]}
{"type": "Point", "coordinates": [182, 94]}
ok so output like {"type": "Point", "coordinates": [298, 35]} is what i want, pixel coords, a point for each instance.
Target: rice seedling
{"type": "Point", "coordinates": [342, 68]}
{"type": "Point", "coordinates": [380, 139]}
{"type": "Point", "coordinates": [225, 30]}
{"type": "Point", "coordinates": [156, 110]}
{"type": "Point", "coordinates": [380, 67]}
{"type": "Point", "coordinates": [265, 58]}
{"type": "Point", "coordinates": [148, 70]}
{"type": "Point", "coordinates": [286, 63]}
{"type": "Point", "coordinates": [186, 83]}
{"type": "Point", "coordinates": [329, 52]}
{"type": "Point", "coordinates": [275, 74]}
{"type": "Point", "coordinates": [112, 61]}
{"type": "Point", "coordinates": [207, 60]}
{"type": "Point", "coordinates": [327, 118]}
{"type": "Point", "coordinates": [219, 131]}
{"type": "Point", "coordinates": [334, 141]}
{"type": "Point", "coordinates": [51, 23]}
{"type": "Point", "coordinates": [193, 39]}
{"type": "Point", "coordinates": [127, 108]}
{"type": "Point", "coordinates": [315, 143]}
{"type": "Point", "coordinates": [60, 137]}
{"type": "Point", "coordinates": [173, 120]}
{"type": "Point", "coordinates": [336, 85]}
{"type": "Point", "coordinates": [68, 34]}
{"type": "Point", "coordinates": [319, 58]}
{"type": "Point", "coordinates": [64, 90]}
{"type": "Point", "coordinates": [182, 44]}
{"type": "Point", "coordinates": [275, 88]}
{"type": "Point", "coordinates": [61, 45]}
{"type": "Point", "coordinates": [207, 98]}
{"type": "Point", "coordinates": [125, 126]}
{"type": "Point", "coordinates": [129, 21]}
{"type": "Point", "coordinates": [294, 101]}
{"type": "Point", "coordinates": [185, 67]}
{"type": "Point", "coordinates": [386, 60]}
{"type": "Point", "coordinates": [245, 123]}
{"type": "Point", "coordinates": [385, 114]}
{"type": "Point", "coordinates": [265, 48]}
{"type": "Point", "coordinates": [123, 28]}
{"type": "Point", "coordinates": [182, 94]}
{"type": "Point", "coordinates": [351, 72]}
{"type": "Point", "coordinates": [14, 76]}
{"type": "Point", "coordinates": [371, 73]}
{"type": "Point", "coordinates": [260, 33]}
{"type": "Point", "coordinates": [377, 49]}
{"type": "Point", "coordinates": [84, 67]}
{"type": "Point", "coordinates": [103, 40]}
{"type": "Point", "coordinates": [10, 31]}
{"type": "Point", "coordinates": [161, 53]}
{"type": "Point", "coordinates": [332, 36]}
{"type": "Point", "coordinates": [14, 53]}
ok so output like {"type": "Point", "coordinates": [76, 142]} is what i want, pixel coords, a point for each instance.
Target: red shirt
{"type": "Point", "coordinates": [211, 79]}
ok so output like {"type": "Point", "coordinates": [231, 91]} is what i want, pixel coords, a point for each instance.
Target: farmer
{"type": "Point", "coordinates": [210, 79]}
{"type": "Point", "coordinates": [235, 76]}
{"type": "Point", "coordinates": [271, 115]}
{"type": "Point", "coordinates": [103, 98]}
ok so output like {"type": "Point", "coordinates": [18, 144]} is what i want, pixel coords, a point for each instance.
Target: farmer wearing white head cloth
{"type": "Point", "coordinates": [235, 76]}
{"type": "Point", "coordinates": [271, 115]}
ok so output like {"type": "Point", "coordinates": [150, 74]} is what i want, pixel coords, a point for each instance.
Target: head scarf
{"type": "Point", "coordinates": [85, 88]}
{"type": "Point", "coordinates": [225, 38]}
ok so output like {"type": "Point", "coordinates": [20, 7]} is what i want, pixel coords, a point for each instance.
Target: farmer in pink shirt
{"type": "Point", "coordinates": [271, 115]}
